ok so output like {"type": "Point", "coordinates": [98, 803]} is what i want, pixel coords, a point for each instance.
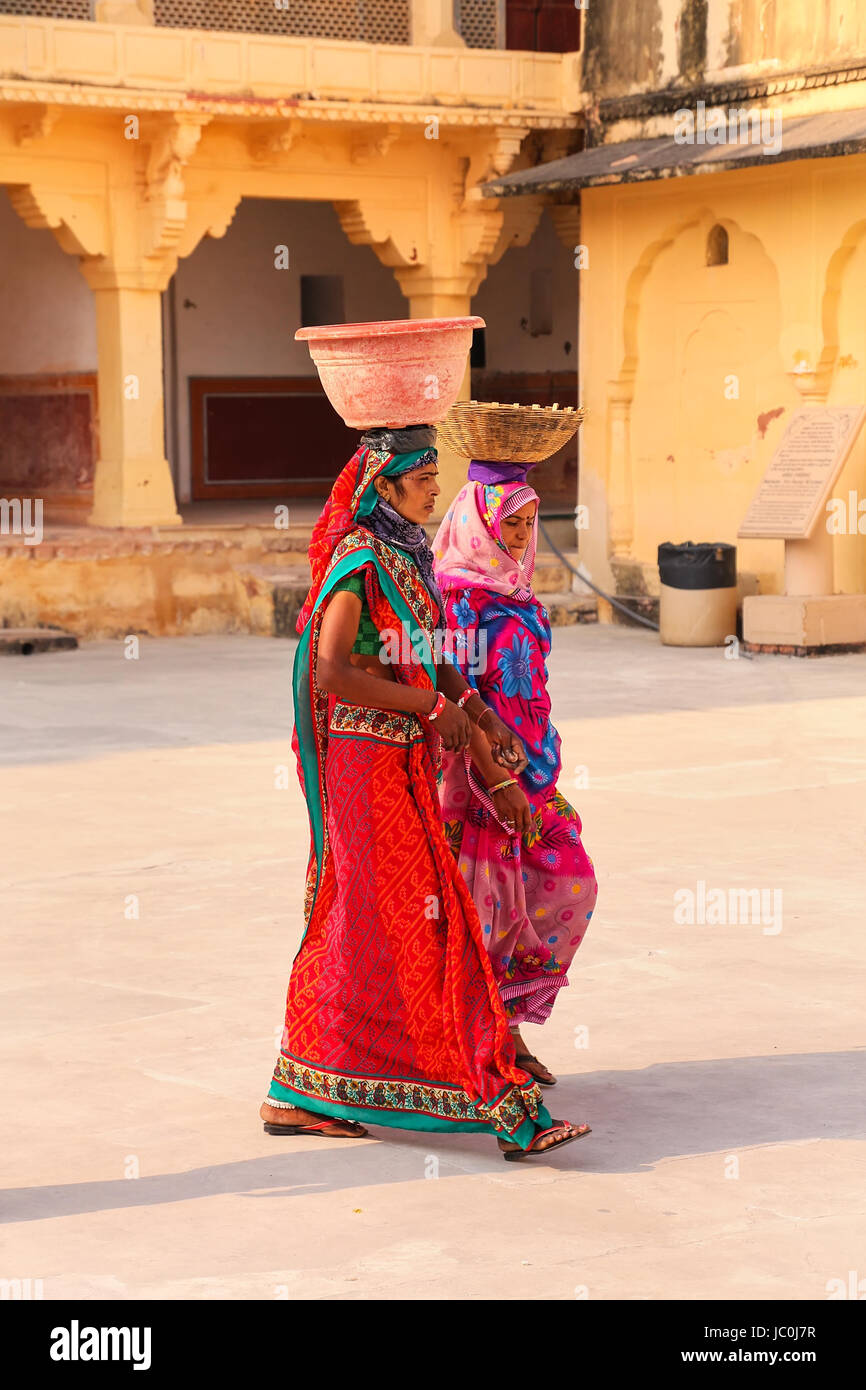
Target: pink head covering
{"type": "Point", "coordinates": [469, 552]}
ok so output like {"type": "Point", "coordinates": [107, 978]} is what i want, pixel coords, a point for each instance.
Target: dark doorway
{"type": "Point", "coordinates": [556, 477]}
{"type": "Point", "coordinates": [265, 437]}
{"type": "Point", "coordinates": [542, 26]}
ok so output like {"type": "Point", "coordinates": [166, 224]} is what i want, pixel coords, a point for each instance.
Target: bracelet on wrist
{"type": "Point", "coordinates": [437, 708]}
{"type": "Point", "coordinates": [500, 786]}
{"type": "Point", "coordinates": [466, 696]}
{"type": "Point", "coordinates": [486, 710]}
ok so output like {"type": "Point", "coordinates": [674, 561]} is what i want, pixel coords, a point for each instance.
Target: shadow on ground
{"type": "Point", "coordinates": [639, 1118]}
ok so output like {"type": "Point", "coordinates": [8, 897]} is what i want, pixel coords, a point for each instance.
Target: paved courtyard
{"type": "Point", "coordinates": [151, 871]}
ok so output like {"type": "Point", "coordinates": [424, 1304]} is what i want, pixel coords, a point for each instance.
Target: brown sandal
{"type": "Point", "coordinates": [325, 1129]}
{"type": "Point", "coordinates": [522, 1057]}
{"type": "Point", "coordinates": [513, 1153]}
{"type": "Point", "coordinates": [322, 1129]}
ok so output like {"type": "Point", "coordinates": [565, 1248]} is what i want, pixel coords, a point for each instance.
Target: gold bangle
{"type": "Point", "coordinates": [486, 710]}
{"type": "Point", "coordinates": [509, 782]}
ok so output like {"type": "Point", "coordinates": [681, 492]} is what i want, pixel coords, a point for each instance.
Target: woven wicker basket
{"type": "Point", "coordinates": [508, 433]}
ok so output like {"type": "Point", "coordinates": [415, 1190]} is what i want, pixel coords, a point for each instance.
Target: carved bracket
{"type": "Point", "coordinates": [496, 155]}
{"type": "Point", "coordinates": [465, 238]}
{"type": "Point", "coordinates": [373, 143]}
{"type": "Point", "coordinates": [37, 124]}
{"type": "Point", "coordinates": [77, 220]}
{"type": "Point", "coordinates": [393, 232]}
{"type": "Point", "coordinates": [175, 141]}
{"type": "Point", "coordinates": [157, 220]}
{"type": "Point", "coordinates": [566, 220]}
{"type": "Point", "coordinates": [275, 139]}
{"type": "Point", "coordinates": [173, 145]}
{"type": "Point", "coordinates": [208, 214]}
{"type": "Point", "coordinates": [507, 141]}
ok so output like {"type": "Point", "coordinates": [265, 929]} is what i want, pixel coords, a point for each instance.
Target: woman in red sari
{"type": "Point", "coordinates": [393, 1015]}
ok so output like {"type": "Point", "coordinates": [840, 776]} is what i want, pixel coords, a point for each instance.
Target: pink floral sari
{"type": "Point", "coordinates": [535, 893]}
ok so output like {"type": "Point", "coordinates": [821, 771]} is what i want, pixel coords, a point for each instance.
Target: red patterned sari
{"type": "Point", "coordinates": [392, 1016]}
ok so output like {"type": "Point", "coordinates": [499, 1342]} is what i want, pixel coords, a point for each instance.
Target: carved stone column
{"type": "Point", "coordinates": [128, 240]}
{"type": "Point", "coordinates": [132, 485]}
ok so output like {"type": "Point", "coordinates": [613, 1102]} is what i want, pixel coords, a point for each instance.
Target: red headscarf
{"type": "Point", "coordinates": [339, 516]}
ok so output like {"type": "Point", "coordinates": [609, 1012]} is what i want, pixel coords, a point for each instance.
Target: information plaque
{"type": "Point", "coordinates": [800, 476]}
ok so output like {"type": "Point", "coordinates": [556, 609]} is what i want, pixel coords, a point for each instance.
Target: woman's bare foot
{"type": "Point", "coordinates": [297, 1121]}
{"type": "Point", "coordinates": [528, 1062]}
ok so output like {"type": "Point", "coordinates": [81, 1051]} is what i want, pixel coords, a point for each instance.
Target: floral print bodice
{"type": "Point", "coordinates": [513, 678]}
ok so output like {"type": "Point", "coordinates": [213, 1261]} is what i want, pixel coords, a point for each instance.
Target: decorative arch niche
{"type": "Point", "coordinates": [717, 245]}
{"type": "Point", "coordinates": [715, 339]}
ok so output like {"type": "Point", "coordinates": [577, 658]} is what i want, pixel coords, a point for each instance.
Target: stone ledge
{"type": "Point", "coordinates": [255, 582]}
{"type": "Point", "coordinates": [787, 649]}
{"type": "Point", "coordinates": [567, 609]}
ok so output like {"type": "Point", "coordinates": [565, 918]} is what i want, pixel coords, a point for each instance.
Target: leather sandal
{"type": "Point", "coordinates": [324, 1129]}
{"type": "Point", "coordinates": [522, 1057]}
{"type": "Point", "coordinates": [512, 1153]}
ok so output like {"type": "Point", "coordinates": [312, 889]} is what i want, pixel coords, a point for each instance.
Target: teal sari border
{"type": "Point", "coordinates": [398, 1119]}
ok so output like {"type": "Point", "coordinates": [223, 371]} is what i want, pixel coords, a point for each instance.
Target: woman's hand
{"type": "Point", "coordinates": [507, 749]}
{"type": "Point", "coordinates": [453, 727]}
{"type": "Point", "coordinates": [513, 809]}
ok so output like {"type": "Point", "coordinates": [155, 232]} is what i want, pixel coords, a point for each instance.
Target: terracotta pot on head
{"type": "Point", "coordinates": [392, 374]}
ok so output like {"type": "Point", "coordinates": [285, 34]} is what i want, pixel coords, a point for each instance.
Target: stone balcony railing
{"type": "Point", "coordinates": [96, 64]}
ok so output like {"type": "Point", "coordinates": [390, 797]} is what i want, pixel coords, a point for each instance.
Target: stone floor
{"type": "Point", "coordinates": [152, 872]}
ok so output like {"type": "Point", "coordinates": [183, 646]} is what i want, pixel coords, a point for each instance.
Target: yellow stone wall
{"type": "Point", "coordinates": [669, 450]}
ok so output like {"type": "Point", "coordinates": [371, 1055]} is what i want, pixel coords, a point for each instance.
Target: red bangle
{"type": "Point", "coordinates": [466, 696]}
{"type": "Point", "coordinates": [437, 708]}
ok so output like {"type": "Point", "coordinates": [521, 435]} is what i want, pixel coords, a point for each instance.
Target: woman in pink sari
{"type": "Point", "coordinates": [517, 840]}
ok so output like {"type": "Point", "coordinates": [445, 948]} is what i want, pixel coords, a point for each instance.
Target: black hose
{"type": "Point", "coordinates": [636, 617]}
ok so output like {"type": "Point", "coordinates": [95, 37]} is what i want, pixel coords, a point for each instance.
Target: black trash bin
{"type": "Point", "coordinates": [698, 594]}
